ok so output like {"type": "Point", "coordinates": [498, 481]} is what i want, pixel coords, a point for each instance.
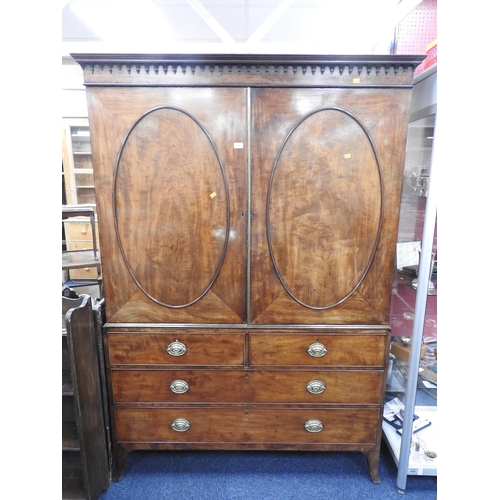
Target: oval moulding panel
{"type": "Point", "coordinates": [171, 207]}
{"type": "Point", "coordinates": [324, 206]}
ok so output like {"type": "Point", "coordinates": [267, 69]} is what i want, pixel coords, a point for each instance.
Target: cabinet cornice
{"type": "Point", "coordinates": [247, 70]}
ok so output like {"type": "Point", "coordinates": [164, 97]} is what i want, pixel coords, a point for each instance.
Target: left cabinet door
{"type": "Point", "coordinates": [170, 173]}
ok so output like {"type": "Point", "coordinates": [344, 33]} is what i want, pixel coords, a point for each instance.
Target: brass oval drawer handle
{"type": "Point", "coordinates": [316, 387]}
{"type": "Point", "coordinates": [179, 386]}
{"type": "Point", "coordinates": [317, 350]}
{"type": "Point", "coordinates": [313, 426]}
{"type": "Point", "coordinates": [177, 348]}
{"type": "Point", "coordinates": [180, 425]}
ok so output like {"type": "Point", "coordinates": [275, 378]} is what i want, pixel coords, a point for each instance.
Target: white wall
{"type": "Point", "coordinates": [74, 101]}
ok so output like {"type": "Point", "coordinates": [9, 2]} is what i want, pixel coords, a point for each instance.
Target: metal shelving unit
{"type": "Point", "coordinates": [407, 461]}
{"type": "Point", "coordinates": [417, 464]}
{"type": "Point", "coordinates": [81, 259]}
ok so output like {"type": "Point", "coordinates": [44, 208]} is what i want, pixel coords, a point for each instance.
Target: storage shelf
{"type": "Point", "coordinates": [78, 220]}
{"type": "Point", "coordinates": [72, 477]}
{"type": "Point", "coordinates": [428, 435]}
{"type": "Point", "coordinates": [408, 280]}
{"type": "Point", "coordinates": [73, 489]}
{"type": "Point", "coordinates": [80, 259]}
{"type": "Point", "coordinates": [70, 441]}
{"type": "Point", "coordinates": [67, 384]}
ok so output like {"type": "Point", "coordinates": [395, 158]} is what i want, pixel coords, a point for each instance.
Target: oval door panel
{"type": "Point", "coordinates": [324, 208]}
{"type": "Point", "coordinates": [171, 207]}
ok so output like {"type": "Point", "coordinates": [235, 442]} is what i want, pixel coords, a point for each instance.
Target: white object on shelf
{"type": "Point", "coordinates": [407, 254]}
{"type": "Point", "coordinates": [428, 437]}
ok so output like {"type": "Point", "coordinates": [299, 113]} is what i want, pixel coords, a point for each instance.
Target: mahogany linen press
{"type": "Point", "coordinates": [248, 211]}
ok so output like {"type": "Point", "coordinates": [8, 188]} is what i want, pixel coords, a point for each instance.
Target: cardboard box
{"type": "Point", "coordinates": [432, 54]}
{"type": "Point", "coordinates": [402, 351]}
{"type": "Point", "coordinates": [430, 60]}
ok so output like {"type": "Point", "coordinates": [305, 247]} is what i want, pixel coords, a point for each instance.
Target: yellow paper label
{"type": "Point", "coordinates": [347, 156]}
{"type": "Point", "coordinates": [213, 195]}
{"type": "Point", "coordinates": [356, 80]}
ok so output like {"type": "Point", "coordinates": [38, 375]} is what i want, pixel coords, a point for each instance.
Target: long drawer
{"type": "Point", "coordinates": [318, 350]}
{"type": "Point", "coordinates": [247, 386]}
{"type": "Point", "coordinates": [246, 425]}
{"type": "Point", "coordinates": [176, 348]}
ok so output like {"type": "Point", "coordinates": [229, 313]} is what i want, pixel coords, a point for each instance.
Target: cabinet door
{"type": "Point", "coordinates": [171, 188]}
{"type": "Point", "coordinates": [326, 180]}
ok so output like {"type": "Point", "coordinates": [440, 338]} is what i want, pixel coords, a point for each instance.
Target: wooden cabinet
{"type": "Point", "coordinates": [77, 162]}
{"type": "Point", "coordinates": [78, 233]}
{"type": "Point", "coordinates": [248, 211]}
{"type": "Point", "coordinates": [81, 248]}
{"type": "Point", "coordinates": [79, 189]}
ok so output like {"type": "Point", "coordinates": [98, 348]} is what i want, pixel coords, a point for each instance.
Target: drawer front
{"type": "Point", "coordinates": [82, 245]}
{"type": "Point", "coordinates": [241, 386]}
{"type": "Point", "coordinates": [85, 273]}
{"type": "Point", "coordinates": [318, 350]}
{"type": "Point", "coordinates": [176, 348]}
{"type": "Point", "coordinates": [77, 231]}
{"type": "Point", "coordinates": [246, 425]}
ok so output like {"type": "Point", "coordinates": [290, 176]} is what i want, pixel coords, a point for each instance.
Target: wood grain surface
{"type": "Point", "coordinates": [247, 425]}
{"type": "Point", "coordinates": [244, 386]}
{"type": "Point", "coordinates": [342, 350]}
{"type": "Point", "coordinates": [171, 205]}
{"type": "Point", "coordinates": [201, 349]}
{"type": "Point", "coordinates": [337, 158]}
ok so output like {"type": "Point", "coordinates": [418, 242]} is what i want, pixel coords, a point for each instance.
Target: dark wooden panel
{"type": "Point", "coordinates": [89, 412]}
{"type": "Point", "coordinates": [72, 476]}
{"type": "Point", "coordinates": [223, 386]}
{"type": "Point", "coordinates": [70, 440]}
{"type": "Point", "coordinates": [342, 350]}
{"type": "Point", "coordinates": [171, 196]}
{"type": "Point", "coordinates": [246, 425]}
{"type": "Point", "coordinates": [65, 364]}
{"type": "Point", "coordinates": [201, 349]}
{"type": "Point", "coordinates": [67, 383]}
{"type": "Point", "coordinates": [164, 186]}
{"type": "Point", "coordinates": [307, 208]}
{"type": "Point", "coordinates": [248, 69]}
{"type": "Point", "coordinates": [68, 409]}
{"type": "Point", "coordinates": [323, 211]}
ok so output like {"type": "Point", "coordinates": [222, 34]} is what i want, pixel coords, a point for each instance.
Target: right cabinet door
{"type": "Point", "coordinates": [326, 168]}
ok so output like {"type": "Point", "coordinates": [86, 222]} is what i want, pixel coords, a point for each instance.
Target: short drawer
{"type": "Point", "coordinates": [82, 245]}
{"type": "Point", "coordinates": [84, 273]}
{"type": "Point", "coordinates": [176, 348]}
{"type": "Point", "coordinates": [79, 230]}
{"type": "Point", "coordinates": [242, 386]}
{"type": "Point", "coordinates": [246, 425]}
{"type": "Point", "coordinates": [318, 350]}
